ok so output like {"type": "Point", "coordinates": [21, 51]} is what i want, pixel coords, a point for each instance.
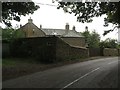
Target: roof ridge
{"type": "Point", "coordinates": [55, 29]}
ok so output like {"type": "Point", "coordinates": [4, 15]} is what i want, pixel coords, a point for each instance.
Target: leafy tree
{"type": "Point", "coordinates": [10, 34]}
{"type": "Point", "coordinates": [118, 46]}
{"type": "Point", "coordinates": [19, 34]}
{"type": "Point", "coordinates": [92, 39]}
{"type": "Point", "coordinates": [14, 10]}
{"type": "Point", "coordinates": [7, 34]}
{"type": "Point", "coordinates": [109, 43]}
{"type": "Point", "coordinates": [86, 11]}
{"type": "Point", "coordinates": [86, 34]}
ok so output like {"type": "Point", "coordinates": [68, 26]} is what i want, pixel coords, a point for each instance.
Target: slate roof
{"type": "Point", "coordinates": [61, 32]}
{"type": "Point", "coordinates": [48, 31]}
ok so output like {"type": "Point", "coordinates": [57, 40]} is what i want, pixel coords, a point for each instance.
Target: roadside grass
{"type": "Point", "coordinates": [17, 61]}
{"type": "Point", "coordinates": [8, 62]}
{"type": "Point", "coordinates": [16, 67]}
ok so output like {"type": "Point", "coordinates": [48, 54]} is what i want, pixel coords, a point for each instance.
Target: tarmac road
{"type": "Point", "coordinates": [98, 73]}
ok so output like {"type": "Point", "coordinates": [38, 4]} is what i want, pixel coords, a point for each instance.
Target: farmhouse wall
{"type": "Point", "coordinates": [75, 41]}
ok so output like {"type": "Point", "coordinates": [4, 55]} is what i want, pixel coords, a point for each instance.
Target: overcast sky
{"type": "Point", "coordinates": [51, 17]}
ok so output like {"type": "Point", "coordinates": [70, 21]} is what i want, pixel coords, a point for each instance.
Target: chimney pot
{"type": "Point", "coordinates": [86, 28]}
{"type": "Point", "coordinates": [20, 25]}
{"type": "Point", "coordinates": [40, 26]}
{"type": "Point", "coordinates": [67, 26]}
{"type": "Point", "coordinates": [73, 28]}
{"type": "Point", "coordinates": [30, 20]}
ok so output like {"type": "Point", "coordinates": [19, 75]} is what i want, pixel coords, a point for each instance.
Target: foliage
{"type": "Point", "coordinates": [86, 34]}
{"type": "Point", "coordinates": [14, 10]}
{"type": "Point", "coordinates": [7, 34]}
{"type": "Point", "coordinates": [10, 34]}
{"type": "Point", "coordinates": [118, 46]}
{"type": "Point", "coordinates": [19, 34]}
{"type": "Point", "coordinates": [86, 11]}
{"type": "Point", "coordinates": [109, 43]}
{"type": "Point", "coordinates": [92, 39]}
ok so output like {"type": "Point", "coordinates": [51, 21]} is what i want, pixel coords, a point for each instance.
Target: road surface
{"type": "Point", "coordinates": [99, 73]}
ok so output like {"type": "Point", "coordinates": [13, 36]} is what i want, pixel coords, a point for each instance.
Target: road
{"type": "Point", "coordinates": [99, 73]}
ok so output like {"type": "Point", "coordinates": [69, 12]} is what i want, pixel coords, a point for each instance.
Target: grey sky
{"type": "Point", "coordinates": [51, 17]}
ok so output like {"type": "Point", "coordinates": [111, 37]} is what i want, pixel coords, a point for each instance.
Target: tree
{"type": "Point", "coordinates": [109, 43]}
{"type": "Point", "coordinates": [7, 34]}
{"type": "Point", "coordinates": [10, 34]}
{"type": "Point", "coordinates": [86, 34]}
{"type": "Point", "coordinates": [14, 10]}
{"type": "Point", "coordinates": [92, 39]}
{"type": "Point", "coordinates": [86, 11]}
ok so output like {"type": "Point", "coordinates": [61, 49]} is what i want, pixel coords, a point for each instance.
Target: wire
{"type": "Point", "coordinates": [46, 4]}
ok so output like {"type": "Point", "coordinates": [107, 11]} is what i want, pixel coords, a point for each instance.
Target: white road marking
{"type": "Point", "coordinates": [112, 62]}
{"type": "Point", "coordinates": [79, 78]}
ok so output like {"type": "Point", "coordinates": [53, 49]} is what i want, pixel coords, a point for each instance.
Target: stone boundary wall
{"type": "Point", "coordinates": [62, 50]}
{"type": "Point", "coordinates": [46, 49]}
{"type": "Point", "coordinates": [110, 52]}
{"type": "Point", "coordinates": [78, 52]}
{"type": "Point", "coordinates": [65, 51]}
{"type": "Point", "coordinates": [51, 49]}
{"type": "Point", "coordinates": [40, 48]}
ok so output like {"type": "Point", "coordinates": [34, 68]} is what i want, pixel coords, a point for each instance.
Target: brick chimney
{"type": "Point", "coordinates": [66, 28]}
{"type": "Point", "coordinates": [30, 20]}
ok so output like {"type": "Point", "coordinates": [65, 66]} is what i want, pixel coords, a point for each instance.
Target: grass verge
{"type": "Point", "coordinates": [16, 67]}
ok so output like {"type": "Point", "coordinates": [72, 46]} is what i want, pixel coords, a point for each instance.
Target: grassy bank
{"type": "Point", "coordinates": [16, 67]}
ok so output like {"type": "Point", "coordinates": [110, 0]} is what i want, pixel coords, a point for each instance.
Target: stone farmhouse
{"type": "Point", "coordinates": [71, 37]}
{"type": "Point", "coordinates": [50, 44]}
